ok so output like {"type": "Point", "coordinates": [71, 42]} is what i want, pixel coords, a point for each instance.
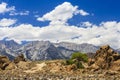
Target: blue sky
{"type": "Point", "coordinates": [81, 21]}
{"type": "Point", "coordinates": [103, 10]}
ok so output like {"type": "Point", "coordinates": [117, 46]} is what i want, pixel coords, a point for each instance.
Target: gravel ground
{"type": "Point", "coordinates": [7, 75]}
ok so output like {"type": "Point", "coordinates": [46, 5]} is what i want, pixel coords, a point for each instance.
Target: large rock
{"type": "Point", "coordinates": [19, 58]}
{"type": "Point", "coordinates": [105, 58]}
{"type": "Point", "coordinates": [115, 65]}
{"type": "Point", "coordinates": [4, 62]}
{"type": "Point", "coordinates": [116, 56]}
{"type": "Point", "coordinates": [11, 66]}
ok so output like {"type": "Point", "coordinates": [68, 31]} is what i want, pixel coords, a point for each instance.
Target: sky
{"type": "Point", "coordinates": [77, 21]}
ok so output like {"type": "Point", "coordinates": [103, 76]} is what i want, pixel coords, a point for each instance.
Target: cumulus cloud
{"type": "Point", "coordinates": [105, 33]}
{"type": "Point", "coordinates": [62, 13]}
{"type": "Point", "coordinates": [7, 22]}
{"type": "Point", "coordinates": [58, 30]}
{"type": "Point", "coordinates": [4, 8]}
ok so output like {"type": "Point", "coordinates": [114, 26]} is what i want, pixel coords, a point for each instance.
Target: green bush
{"type": "Point", "coordinates": [79, 65]}
{"type": "Point", "coordinates": [80, 56]}
{"type": "Point", "coordinates": [69, 62]}
{"type": "Point", "coordinates": [77, 58]}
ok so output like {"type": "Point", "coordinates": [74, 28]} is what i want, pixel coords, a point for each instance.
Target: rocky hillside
{"type": "Point", "coordinates": [68, 48]}
{"type": "Point", "coordinates": [9, 48]}
{"type": "Point", "coordinates": [11, 44]}
{"type": "Point", "coordinates": [77, 47]}
{"type": "Point", "coordinates": [43, 50]}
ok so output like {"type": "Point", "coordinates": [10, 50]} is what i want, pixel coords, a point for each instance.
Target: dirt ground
{"type": "Point", "coordinates": [55, 70]}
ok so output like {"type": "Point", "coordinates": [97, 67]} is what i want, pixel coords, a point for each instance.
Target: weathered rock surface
{"type": "Point", "coordinates": [6, 64]}
{"type": "Point", "coordinates": [105, 58]}
{"type": "Point", "coordinates": [11, 66]}
{"type": "Point", "coordinates": [4, 61]}
{"type": "Point", "coordinates": [19, 58]}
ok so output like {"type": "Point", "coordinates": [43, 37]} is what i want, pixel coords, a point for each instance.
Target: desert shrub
{"type": "Point", "coordinates": [77, 58]}
{"type": "Point", "coordinates": [79, 65]}
{"type": "Point", "coordinates": [80, 56]}
{"type": "Point", "coordinates": [69, 61]}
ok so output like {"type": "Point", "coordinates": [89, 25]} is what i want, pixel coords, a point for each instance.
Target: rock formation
{"type": "Point", "coordinates": [19, 58]}
{"type": "Point", "coordinates": [11, 66]}
{"type": "Point", "coordinates": [4, 61]}
{"type": "Point", "coordinates": [105, 58]}
{"type": "Point", "coordinates": [6, 64]}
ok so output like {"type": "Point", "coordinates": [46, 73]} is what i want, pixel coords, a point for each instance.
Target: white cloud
{"type": "Point", "coordinates": [104, 33]}
{"type": "Point", "coordinates": [7, 22]}
{"type": "Point", "coordinates": [62, 13]}
{"type": "Point", "coordinates": [82, 12]}
{"type": "Point", "coordinates": [86, 24]}
{"type": "Point", "coordinates": [19, 13]}
{"type": "Point", "coordinates": [97, 35]}
{"type": "Point", "coordinates": [4, 8]}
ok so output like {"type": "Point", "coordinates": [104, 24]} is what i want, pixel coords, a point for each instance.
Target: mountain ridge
{"type": "Point", "coordinates": [45, 50]}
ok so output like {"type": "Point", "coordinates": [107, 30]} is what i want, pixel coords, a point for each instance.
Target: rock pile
{"type": "Point", "coordinates": [4, 61]}
{"type": "Point", "coordinates": [6, 64]}
{"type": "Point", "coordinates": [105, 58]}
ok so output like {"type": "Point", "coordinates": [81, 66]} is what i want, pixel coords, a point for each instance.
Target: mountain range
{"type": "Point", "coordinates": [44, 50]}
